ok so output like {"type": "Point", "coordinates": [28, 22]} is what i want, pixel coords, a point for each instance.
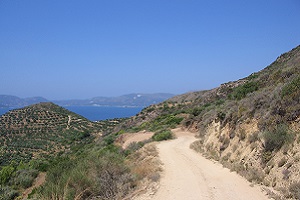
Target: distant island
{"type": "Point", "coordinates": [133, 100]}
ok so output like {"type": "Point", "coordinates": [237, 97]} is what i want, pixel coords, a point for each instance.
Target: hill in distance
{"type": "Point", "coordinates": [9, 101]}
{"type": "Point", "coordinates": [135, 99]}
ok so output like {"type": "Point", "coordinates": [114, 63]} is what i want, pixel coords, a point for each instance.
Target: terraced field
{"type": "Point", "coordinates": [41, 130]}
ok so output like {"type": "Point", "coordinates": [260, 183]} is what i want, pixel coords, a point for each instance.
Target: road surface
{"type": "Point", "coordinates": [189, 176]}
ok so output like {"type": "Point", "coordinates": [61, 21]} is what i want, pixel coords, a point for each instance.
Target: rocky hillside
{"type": "Point", "coordinates": [251, 125]}
{"type": "Point", "coordinates": [40, 130]}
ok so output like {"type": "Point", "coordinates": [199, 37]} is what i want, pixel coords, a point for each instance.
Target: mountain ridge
{"type": "Point", "coordinates": [133, 99]}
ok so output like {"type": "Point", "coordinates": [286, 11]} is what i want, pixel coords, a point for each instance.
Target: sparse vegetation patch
{"type": "Point", "coordinates": [162, 135]}
{"type": "Point", "coordinates": [274, 139]}
{"type": "Point", "coordinates": [240, 92]}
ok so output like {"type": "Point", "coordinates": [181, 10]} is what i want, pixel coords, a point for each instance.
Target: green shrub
{"type": "Point", "coordinates": [148, 109]}
{"type": "Point", "coordinates": [225, 144]}
{"type": "Point", "coordinates": [134, 146]}
{"type": "Point", "coordinates": [161, 122]}
{"type": "Point", "coordinates": [253, 76]}
{"type": "Point", "coordinates": [6, 173]}
{"type": "Point", "coordinates": [110, 139]}
{"type": "Point", "coordinates": [292, 88]}
{"type": "Point", "coordinates": [39, 164]}
{"type": "Point", "coordinates": [253, 137]}
{"type": "Point", "coordinates": [266, 156]}
{"type": "Point", "coordinates": [276, 138]}
{"type": "Point", "coordinates": [221, 116]}
{"type": "Point", "coordinates": [240, 92]}
{"type": "Point", "coordinates": [162, 135]}
{"type": "Point", "coordinates": [97, 173]}
{"type": "Point", "coordinates": [197, 111]}
{"type": "Point", "coordinates": [7, 193]}
{"type": "Point", "coordinates": [172, 120]}
{"type": "Point", "coordinates": [24, 178]}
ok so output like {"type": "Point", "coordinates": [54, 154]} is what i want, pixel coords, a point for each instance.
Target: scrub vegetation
{"type": "Point", "coordinates": [251, 126]}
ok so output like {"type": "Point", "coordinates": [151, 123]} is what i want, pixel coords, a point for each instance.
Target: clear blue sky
{"type": "Point", "coordinates": [65, 49]}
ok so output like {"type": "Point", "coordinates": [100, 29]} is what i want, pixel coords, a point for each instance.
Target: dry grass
{"type": "Point", "coordinates": [146, 166]}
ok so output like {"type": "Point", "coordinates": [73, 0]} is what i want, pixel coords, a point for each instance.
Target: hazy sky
{"type": "Point", "coordinates": [64, 49]}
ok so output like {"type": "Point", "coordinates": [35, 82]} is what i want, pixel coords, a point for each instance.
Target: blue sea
{"type": "Point", "coordinates": [97, 113]}
{"type": "Point", "coordinates": [4, 110]}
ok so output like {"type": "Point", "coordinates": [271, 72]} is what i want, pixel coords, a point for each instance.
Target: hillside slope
{"type": "Point", "coordinates": [40, 130]}
{"type": "Point", "coordinates": [250, 125]}
{"type": "Point", "coordinates": [63, 154]}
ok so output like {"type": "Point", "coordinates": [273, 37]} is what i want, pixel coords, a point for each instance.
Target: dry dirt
{"type": "Point", "coordinates": [188, 175]}
{"type": "Point", "coordinates": [129, 138]}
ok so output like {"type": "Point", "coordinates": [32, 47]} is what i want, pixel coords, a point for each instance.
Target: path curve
{"type": "Point", "coordinates": [189, 176]}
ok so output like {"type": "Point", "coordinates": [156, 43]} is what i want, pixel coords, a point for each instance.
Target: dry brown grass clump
{"type": "Point", "coordinates": [146, 166]}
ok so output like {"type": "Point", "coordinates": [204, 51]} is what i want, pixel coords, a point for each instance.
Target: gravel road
{"type": "Point", "coordinates": [189, 176]}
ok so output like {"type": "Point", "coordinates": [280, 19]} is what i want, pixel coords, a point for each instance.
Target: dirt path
{"type": "Point", "coordinates": [189, 176]}
{"type": "Point", "coordinates": [69, 122]}
{"type": "Point", "coordinates": [40, 179]}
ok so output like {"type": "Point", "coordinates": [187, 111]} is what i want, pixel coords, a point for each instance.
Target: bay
{"type": "Point", "coordinates": [4, 110]}
{"type": "Point", "coordinates": [97, 113]}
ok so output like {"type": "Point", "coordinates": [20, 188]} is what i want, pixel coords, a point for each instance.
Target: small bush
{"type": "Point", "coordinates": [173, 120]}
{"type": "Point", "coordinates": [225, 142]}
{"type": "Point", "coordinates": [134, 146]}
{"type": "Point", "coordinates": [266, 156]}
{"type": "Point", "coordinates": [241, 92]}
{"type": "Point", "coordinates": [161, 122]}
{"type": "Point", "coordinates": [162, 135]}
{"type": "Point", "coordinates": [39, 164]}
{"type": "Point", "coordinates": [282, 162]}
{"type": "Point", "coordinates": [110, 139]}
{"type": "Point", "coordinates": [286, 174]}
{"type": "Point", "coordinates": [6, 173]}
{"type": "Point", "coordinates": [242, 135]}
{"type": "Point", "coordinates": [149, 109]}
{"type": "Point", "coordinates": [197, 146]}
{"type": "Point", "coordinates": [197, 111]}
{"type": "Point", "coordinates": [7, 193]}
{"type": "Point", "coordinates": [276, 138]}
{"type": "Point", "coordinates": [232, 134]}
{"type": "Point", "coordinates": [101, 174]}
{"type": "Point", "coordinates": [24, 178]}
{"type": "Point", "coordinates": [294, 190]}
{"type": "Point", "coordinates": [253, 137]}
{"type": "Point", "coordinates": [292, 88]}
{"type": "Point", "coordinates": [221, 116]}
